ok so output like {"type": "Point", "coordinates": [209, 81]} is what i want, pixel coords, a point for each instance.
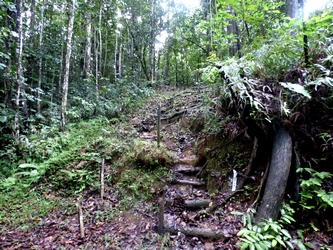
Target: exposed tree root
{"type": "Point", "coordinates": [250, 164]}
{"type": "Point", "coordinates": [263, 179]}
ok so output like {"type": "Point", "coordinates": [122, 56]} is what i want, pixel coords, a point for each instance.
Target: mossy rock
{"type": "Point", "coordinates": [148, 155]}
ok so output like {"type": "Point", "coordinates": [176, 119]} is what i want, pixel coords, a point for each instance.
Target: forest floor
{"type": "Point", "coordinates": [193, 213]}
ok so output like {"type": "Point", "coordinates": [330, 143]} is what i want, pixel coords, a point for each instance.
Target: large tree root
{"type": "Point", "coordinates": [277, 177]}
{"type": "Point", "coordinates": [194, 231]}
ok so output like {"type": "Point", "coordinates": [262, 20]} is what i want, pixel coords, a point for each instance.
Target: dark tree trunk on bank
{"type": "Point", "coordinates": [277, 177]}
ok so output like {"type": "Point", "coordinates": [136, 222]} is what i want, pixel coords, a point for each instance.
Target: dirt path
{"type": "Point", "coordinates": [186, 198]}
{"type": "Point", "coordinates": [186, 221]}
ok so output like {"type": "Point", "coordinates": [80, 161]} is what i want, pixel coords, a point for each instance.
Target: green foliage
{"type": "Point", "coordinates": [267, 234]}
{"type": "Point", "coordinates": [313, 196]}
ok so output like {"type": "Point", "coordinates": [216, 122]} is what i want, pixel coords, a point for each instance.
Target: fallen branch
{"type": "Point", "coordinates": [214, 206]}
{"type": "Point", "coordinates": [186, 182]}
{"type": "Point", "coordinates": [192, 204]}
{"type": "Point", "coordinates": [196, 204]}
{"type": "Point", "coordinates": [187, 170]}
{"type": "Point", "coordinates": [194, 231]}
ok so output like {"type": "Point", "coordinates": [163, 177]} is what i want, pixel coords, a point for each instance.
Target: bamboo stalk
{"type": "Point", "coordinates": [102, 177]}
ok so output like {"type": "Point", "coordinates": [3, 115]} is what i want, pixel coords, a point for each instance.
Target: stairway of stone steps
{"type": "Point", "coordinates": [186, 196]}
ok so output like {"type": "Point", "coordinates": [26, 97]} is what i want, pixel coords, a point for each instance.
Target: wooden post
{"type": "Point", "coordinates": [81, 220]}
{"type": "Point", "coordinates": [161, 214]}
{"type": "Point", "coordinates": [102, 177]}
{"type": "Point", "coordinates": [158, 124]}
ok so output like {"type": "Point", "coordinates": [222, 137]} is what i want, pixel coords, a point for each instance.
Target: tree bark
{"type": "Point", "coordinates": [152, 42]}
{"type": "Point", "coordinates": [68, 57]}
{"type": "Point", "coordinates": [277, 177]}
{"type": "Point", "coordinates": [292, 8]}
{"type": "Point", "coordinates": [87, 59]}
{"type": "Point", "coordinates": [19, 78]}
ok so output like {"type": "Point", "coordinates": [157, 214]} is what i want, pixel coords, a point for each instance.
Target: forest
{"type": "Point", "coordinates": [151, 124]}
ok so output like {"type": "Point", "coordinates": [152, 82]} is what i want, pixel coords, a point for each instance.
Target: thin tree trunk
{"type": "Point", "coordinates": [19, 77]}
{"type": "Point", "coordinates": [61, 63]}
{"type": "Point", "coordinates": [116, 57]}
{"type": "Point", "coordinates": [120, 60]}
{"type": "Point", "coordinates": [32, 22]}
{"type": "Point", "coordinates": [68, 57]}
{"type": "Point", "coordinates": [100, 39]}
{"type": "Point", "coordinates": [96, 65]}
{"type": "Point", "coordinates": [152, 43]}
{"type": "Point", "coordinates": [40, 64]}
{"type": "Point", "coordinates": [105, 54]}
{"type": "Point", "coordinates": [87, 59]}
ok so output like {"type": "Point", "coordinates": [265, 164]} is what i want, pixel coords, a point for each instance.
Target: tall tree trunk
{"type": "Point", "coordinates": [40, 63]}
{"type": "Point", "coordinates": [61, 62]}
{"type": "Point", "coordinates": [166, 61]}
{"type": "Point", "coordinates": [19, 78]}
{"type": "Point", "coordinates": [292, 8]}
{"type": "Point", "coordinates": [305, 38]}
{"type": "Point", "coordinates": [105, 54]}
{"type": "Point", "coordinates": [100, 39]}
{"type": "Point", "coordinates": [96, 65]}
{"type": "Point", "coordinates": [68, 57]}
{"type": "Point", "coordinates": [232, 28]}
{"type": "Point", "coordinates": [152, 42]}
{"type": "Point", "coordinates": [87, 58]}
{"type": "Point", "coordinates": [116, 56]}
{"type": "Point", "coordinates": [32, 23]}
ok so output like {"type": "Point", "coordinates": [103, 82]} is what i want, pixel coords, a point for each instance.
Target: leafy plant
{"type": "Point", "coordinates": [312, 192]}
{"type": "Point", "coordinates": [267, 234]}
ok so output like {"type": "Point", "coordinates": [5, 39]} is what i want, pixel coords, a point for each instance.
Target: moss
{"type": "Point", "coordinates": [149, 155]}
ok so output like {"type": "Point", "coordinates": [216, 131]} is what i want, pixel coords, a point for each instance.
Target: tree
{"type": "Point", "coordinates": [67, 64]}
{"type": "Point", "coordinates": [19, 76]}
